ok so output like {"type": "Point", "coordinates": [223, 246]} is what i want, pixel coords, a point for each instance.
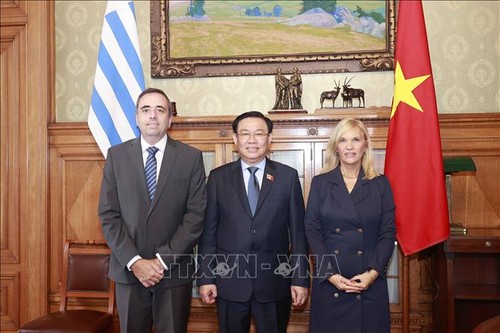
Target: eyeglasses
{"type": "Point", "coordinates": [259, 136]}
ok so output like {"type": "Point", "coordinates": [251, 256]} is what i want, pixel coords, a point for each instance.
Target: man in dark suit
{"type": "Point", "coordinates": [151, 207]}
{"type": "Point", "coordinates": [253, 256]}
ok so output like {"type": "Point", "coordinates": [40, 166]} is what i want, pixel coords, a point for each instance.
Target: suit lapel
{"type": "Point", "coordinates": [236, 177]}
{"type": "Point", "coordinates": [267, 182]}
{"type": "Point", "coordinates": [360, 191]}
{"type": "Point", "coordinates": [166, 168]}
{"type": "Point", "coordinates": [138, 164]}
{"type": "Point", "coordinates": [340, 193]}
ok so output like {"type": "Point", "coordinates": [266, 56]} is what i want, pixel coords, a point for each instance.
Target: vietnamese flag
{"type": "Point", "coordinates": [414, 162]}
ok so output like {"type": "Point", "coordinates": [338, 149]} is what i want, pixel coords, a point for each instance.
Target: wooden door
{"type": "Point", "coordinates": [26, 95]}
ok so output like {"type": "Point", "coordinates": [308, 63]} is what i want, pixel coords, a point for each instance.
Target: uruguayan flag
{"type": "Point", "coordinates": [119, 78]}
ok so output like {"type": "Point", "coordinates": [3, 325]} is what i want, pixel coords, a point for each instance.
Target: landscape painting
{"type": "Point", "coordinates": [228, 32]}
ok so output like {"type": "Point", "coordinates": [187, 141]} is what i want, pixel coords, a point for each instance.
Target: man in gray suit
{"type": "Point", "coordinates": [151, 207]}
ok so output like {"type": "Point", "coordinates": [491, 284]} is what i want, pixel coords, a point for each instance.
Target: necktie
{"type": "Point", "coordinates": [150, 171]}
{"type": "Point", "coordinates": [253, 189]}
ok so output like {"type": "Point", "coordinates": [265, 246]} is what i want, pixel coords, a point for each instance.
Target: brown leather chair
{"type": "Point", "coordinates": [85, 275]}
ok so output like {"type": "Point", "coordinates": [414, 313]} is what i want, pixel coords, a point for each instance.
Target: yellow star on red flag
{"type": "Point", "coordinates": [414, 165]}
{"type": "Point", "coordinates": [403, 89]}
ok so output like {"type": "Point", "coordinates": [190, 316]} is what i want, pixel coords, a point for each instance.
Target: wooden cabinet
{"type": "Point", "coordinates": [468, 274]}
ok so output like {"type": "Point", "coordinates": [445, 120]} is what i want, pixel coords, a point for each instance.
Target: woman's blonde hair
{"type": "Point", "coordinates": [332, 159]}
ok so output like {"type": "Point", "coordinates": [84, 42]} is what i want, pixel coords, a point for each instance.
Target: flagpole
{"type": "Point", "coordinates": [406, 294]}
{"type": "Point", "coordinates": [411, 162]}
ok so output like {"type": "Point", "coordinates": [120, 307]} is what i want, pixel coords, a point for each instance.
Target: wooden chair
{"type": "Point", "coordinates": [85, 275]}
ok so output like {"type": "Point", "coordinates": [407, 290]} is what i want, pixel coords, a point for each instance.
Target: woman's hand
{"type": "Point", "coordinates": [364, 280]}
{"type": "Point", "coordinates": [356, 284]}
{"type": "Point", "coordinates": [344, 284]}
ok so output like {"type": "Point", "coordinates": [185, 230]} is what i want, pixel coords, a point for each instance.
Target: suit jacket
{"type": "Point", "coordinates": [261, 255]}
{"type": "Point", "coordinates": [169, 225]}
{"type": "Point", "coordinates": [359, 228]}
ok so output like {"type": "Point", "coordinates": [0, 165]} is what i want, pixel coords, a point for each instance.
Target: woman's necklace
{"type": "Point", "coordinates": [346, 176]}
{"type": "Point", "coordinates": [350, 181]}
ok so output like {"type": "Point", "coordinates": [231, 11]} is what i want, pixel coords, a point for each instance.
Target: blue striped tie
{"type": "Point", "coordinates": [253, 189]}
{"type": "Point", "coordinates": [150, 171]}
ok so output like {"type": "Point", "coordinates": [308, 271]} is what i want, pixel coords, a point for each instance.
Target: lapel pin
{"type": "Point", "coordinates": [270, 177]}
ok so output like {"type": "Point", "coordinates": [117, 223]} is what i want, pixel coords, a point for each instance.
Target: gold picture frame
{"type": "Point", "coordinates": [166, 64]}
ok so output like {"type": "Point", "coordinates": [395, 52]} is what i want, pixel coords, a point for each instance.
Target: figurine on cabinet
{"type": "Point", "coordinates": [288, 93]}
{"type": "Point", "coordinates": [282, 92]}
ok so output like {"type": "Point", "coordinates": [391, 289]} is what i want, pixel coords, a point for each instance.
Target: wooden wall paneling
{"type": "Point", "coordinates": [11, 58]}
{"type": "Point", "coordinates": [472, 206]}
{"type": "Point", "coordinates": [39, 95]}
{"type": "Point", "coordinates": [488, 167]}
{"type": "Point", "coordinates": [470, 134]}
{"type": "Point", "coordinates": [56, 224]}
{"type": "Point", "coordinates": [26, 67]}
{"type": "Point", "coordinates": [82, 176]}
{"type": "Point", "coordinates": [9, 298]}
{"type": "Point", "coordinates": [26, 101]}
{"type": "Point", "coordinates": [476, 198]}
{"type": "Point", "coordinates": [13, 13]}
{"type": "Point", "coordinates": [75, 175]}
{"type": "Point", "coordinates": [10, 138]}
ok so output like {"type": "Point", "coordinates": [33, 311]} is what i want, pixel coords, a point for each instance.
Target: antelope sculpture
{"type": "Point", "coordinates": [352, 93]}
{"type": "Point", "coordinates": [330, 94]}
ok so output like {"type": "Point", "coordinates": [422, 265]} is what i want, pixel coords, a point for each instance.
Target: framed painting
{"type": "Point", "coordinates": [200, 38]}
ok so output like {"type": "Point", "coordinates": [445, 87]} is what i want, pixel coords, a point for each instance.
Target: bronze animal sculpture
{"type": "Point", "coordinates": [332, 94]}
{"type": "Point", "coordinates": [353, 93]}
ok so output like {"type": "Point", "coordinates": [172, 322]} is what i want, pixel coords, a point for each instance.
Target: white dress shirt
{"type": "Point", "coordinates": [159, 158]}
{"type": "Point", "coordinates": [259, 173]}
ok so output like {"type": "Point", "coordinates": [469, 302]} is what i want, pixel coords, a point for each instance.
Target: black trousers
{"type": "Point", "coordinates": [269, 317]}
